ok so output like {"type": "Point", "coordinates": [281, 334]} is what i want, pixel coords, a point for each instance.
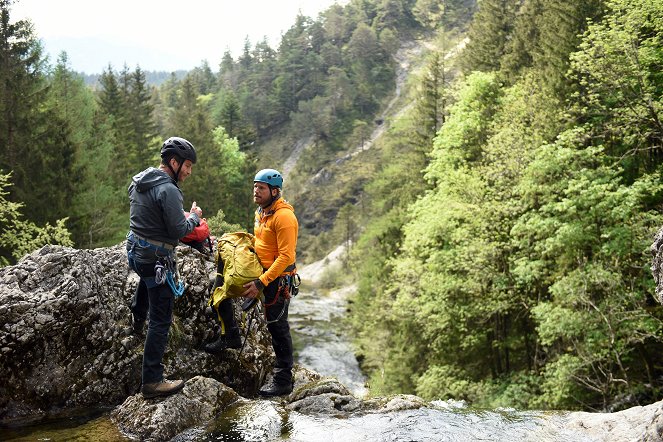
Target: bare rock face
{"type": "Point", "coordinates": [163, 418]}
{"type": "Point", "coordinates": [63, 339]}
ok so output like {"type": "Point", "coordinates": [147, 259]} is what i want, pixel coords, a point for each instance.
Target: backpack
{"type": "Point", "coordinates": [240, 265]}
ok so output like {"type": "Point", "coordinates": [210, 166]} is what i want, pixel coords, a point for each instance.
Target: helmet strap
{"type": "Point", "coordinates": [176, 175]}
{"type": "Point", "coordinates": [271, 197]}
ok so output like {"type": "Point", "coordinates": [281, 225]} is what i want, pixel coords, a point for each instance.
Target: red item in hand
{"type": "Point", "coordinates": [199, 234]}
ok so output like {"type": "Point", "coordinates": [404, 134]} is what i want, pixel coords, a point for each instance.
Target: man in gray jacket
{"type": "Point", "coordinates": [157, 222]}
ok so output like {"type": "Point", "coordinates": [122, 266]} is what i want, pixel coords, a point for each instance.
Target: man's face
{"type": "Point", "coordinates": [186, 169]}
{"type": "Point", "coordinates": [261, 194]}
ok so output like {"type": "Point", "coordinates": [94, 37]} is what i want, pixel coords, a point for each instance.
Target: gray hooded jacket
{"type": "Point", "coordinates": [156, 210]}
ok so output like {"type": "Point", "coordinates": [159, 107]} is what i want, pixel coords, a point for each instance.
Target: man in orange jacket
{"type": "Point", "coordinates": [275, 231]}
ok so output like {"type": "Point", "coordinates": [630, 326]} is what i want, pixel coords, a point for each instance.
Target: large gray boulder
{"type": "Point", "coordinates": [163, 418]}
{"type": "Point", "coordinates": [63, 341]}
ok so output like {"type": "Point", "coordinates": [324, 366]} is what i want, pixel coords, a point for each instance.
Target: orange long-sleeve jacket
{"type": "Point", "coordinates": [275, 231]}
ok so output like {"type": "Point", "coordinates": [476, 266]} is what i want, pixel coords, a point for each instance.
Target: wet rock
{"type": "Point", "coordinates": [63, 336]}
{"type": "Point", "coordinates": [327, 403]}
{"type": "Point", "coordinates": [323, 396]}
{"type": "Point", "coordinates": [163, 418]}
{"type": "Point", "coordinates": [633, 424]}
{"type": "Point", "coordinates": [328, 396]}
{"type": "Point", "coordinates": [399, 402]}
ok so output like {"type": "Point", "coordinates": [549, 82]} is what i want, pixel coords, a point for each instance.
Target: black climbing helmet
{"type": "Point", "coordinates": [176, 146]}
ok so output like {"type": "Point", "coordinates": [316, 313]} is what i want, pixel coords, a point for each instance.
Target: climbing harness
{"type": "Point", "coordinates": [170, 275]}
{"type": "Point", "coordinates": [288, 288]}
{"type": "Point", "coordinates": [165, 268]}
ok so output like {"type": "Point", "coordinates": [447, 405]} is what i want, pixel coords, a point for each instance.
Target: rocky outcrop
{"type": "Point", "coordinates": [162, 419]}
{"type": "Point", "coordinates": [63, 341]}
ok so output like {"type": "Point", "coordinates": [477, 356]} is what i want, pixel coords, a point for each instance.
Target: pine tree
{"type": "Point", "coordinates": [367, 60]}
{"type": "Point", "coordinates": [99, 205]}
{"type": "Point", "coordinates": [337, 25]}
{"type": "Point", "coordinates": [110, 97]}
{"type": "Point", "coordinates": [141, 112]}
{"type": "Point", "coordinates": [297, 65]}
{"type": "Point", "coordinates": [523, 45]}
{"type": "Point", "coordinates": [190, 120]}
{"type": "Point", "coordinates": [228, 114]}
{"type": "Point", "coordinates": [227, 77]}
{"type": "Point", "coordinates": [35, 146]}
{"type": "Point", "coordinates": [489, 32]}
{"type": "Point", "coordinates": [431, 103]}
{"type": "Point", "coordinates": [73, 106]}
{"type": "Point", "coordinates": [20, 54]}
{"type": "Point", "coordinates": [394, 15]}
{"type": "Point", "coordinates": [114, 105]}
{"type": "Point", "coordinates": [562, 23]}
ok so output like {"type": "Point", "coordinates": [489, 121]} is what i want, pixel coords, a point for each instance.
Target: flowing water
{"type": "Point", "coordinates": [444, 422]}
{"type": "Point", "coordinates": [320, 341]}
{"type": "Point", "coordinates": [322, 345]}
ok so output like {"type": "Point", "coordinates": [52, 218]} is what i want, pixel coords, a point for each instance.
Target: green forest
{"type": "Point", "coordinates": [497, 230]}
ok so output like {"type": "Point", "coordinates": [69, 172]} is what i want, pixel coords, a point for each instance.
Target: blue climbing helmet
{"type": "Point", "coordinates": [271, 177]}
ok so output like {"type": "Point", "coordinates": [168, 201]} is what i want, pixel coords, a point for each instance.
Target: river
{"type": "Point", "coordinates": [319, 337]}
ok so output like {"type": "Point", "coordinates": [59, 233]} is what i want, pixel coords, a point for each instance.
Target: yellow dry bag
{"type": "Point", "coordinates": [240, 265]}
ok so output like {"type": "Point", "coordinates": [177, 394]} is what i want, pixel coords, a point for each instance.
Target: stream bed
{"type": "Point", "coordinates": [319, 337]}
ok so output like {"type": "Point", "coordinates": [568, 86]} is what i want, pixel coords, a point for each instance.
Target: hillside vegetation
{"type": "Point", "coordinates": [515, 270]}
{"type": "Point", "coordinates": [493, 168]}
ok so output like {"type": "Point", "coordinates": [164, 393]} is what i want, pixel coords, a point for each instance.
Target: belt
{"type": "Point", "coordinates": [290, 268]}
{"type": "Point", "coordinates": [159, 244]}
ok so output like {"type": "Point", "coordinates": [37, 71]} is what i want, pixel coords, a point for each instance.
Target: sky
{"type": "Point", "coordinates": [162, 35]}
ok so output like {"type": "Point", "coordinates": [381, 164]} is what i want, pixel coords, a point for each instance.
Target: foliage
{"type": "Point", "coordinates": [218, 225]}
{"type": "Point", "coordinates": [521, 278]}
{"type": "Point", "coordinates": [19, 236]}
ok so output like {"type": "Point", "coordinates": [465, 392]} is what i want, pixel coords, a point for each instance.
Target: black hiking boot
{"type": "Point", "coordinates": [275, 388]}
{"type": "Point", "coordinates": [136, 326]}
{"type": "Point", "coordinates": [231, 339]}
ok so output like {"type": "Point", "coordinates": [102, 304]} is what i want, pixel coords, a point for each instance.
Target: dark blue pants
{"type": "Point", "coordinates": [280, 331]}
{"type": "Point", "coordinates": [157, 302]}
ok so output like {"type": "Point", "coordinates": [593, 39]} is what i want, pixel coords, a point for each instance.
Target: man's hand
{"type": "Point", "coordinates": [197, 210]}
{"type": "Point", "coordinates": [252, 288]}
